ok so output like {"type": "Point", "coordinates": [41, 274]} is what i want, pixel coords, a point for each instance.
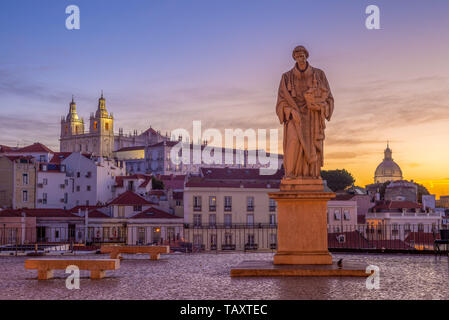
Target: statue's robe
{"type": "Point", "coordinates": [304, 131]}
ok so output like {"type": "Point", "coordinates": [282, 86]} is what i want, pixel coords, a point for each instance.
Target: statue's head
{"type": "Point", "coordinates": [300, 55]}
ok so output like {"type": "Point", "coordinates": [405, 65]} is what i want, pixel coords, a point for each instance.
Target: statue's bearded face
{"type": "Point", "coordinates": [301, 58]}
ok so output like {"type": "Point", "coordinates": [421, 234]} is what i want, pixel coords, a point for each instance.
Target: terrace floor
{"type": "Point", "coordinates": [207, 276]}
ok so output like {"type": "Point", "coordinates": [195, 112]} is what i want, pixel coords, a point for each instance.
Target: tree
{"type": "Point", "coordinates": [337, 179]}
{"type": "Point", "coordinates": [157, 184]}
{"type": "Point", "coordinates": [421, 191]}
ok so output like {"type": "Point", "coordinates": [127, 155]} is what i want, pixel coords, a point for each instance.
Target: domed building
{"type": "Point", "coordinates": [387, 170]}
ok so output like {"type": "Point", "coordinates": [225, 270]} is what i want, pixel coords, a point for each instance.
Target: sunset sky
{"type": "Point", "coordinates": [167, 63]}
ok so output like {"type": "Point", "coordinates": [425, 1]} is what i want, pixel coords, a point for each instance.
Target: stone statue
{"type": "Point", "coordinates": [304, 103]}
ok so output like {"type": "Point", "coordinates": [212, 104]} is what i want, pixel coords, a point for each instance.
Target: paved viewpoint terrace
{"type": "Point", "coordinates": [207, 276]}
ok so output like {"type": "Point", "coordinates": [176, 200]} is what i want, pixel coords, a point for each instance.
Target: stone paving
{"type": "Point", "coordinates": [207, 276]}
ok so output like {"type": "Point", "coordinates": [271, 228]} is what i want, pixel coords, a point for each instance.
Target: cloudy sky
{"type": "Point", "coordinates": [167, 63]}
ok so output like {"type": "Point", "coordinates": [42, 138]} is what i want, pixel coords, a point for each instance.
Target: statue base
{"type": "Point", "coordinates": [302, 222]}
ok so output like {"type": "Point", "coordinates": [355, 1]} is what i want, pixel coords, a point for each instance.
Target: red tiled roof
{"type": "Point", "coordinates": [120, 179]}
{"type": "Point", "coordinates": [13, 158]}
{"type": "Point", "coordinates": [352, 240]}
{"type": "Point", "coordinates": [178, 195]}
{"type": "Point", "coordinates": [83, 208]}
{"type": "Point", "coordinates": [173, 182]}
{"type": "Point", "coordinates": [58, 157]}
{"type": "Point", "coordinates": [154, 214]}
{"type": "Point", "coordinates": [146, 182]}
{"type": "Point", "coordinates": [97, 214]}
{"type": "Point", "coordinates": [6, 148]}
{"type": "Point", "coordinates": [36, 147]}
{"type": "Point", "coordinates": [361, 219]}
{"type": "Point", "coordinates": [421, 237]}
{"type": "Point", "coordinates": [129, 198]}
{"type": "Point", "coordinates": [40, 213]}
{"type": "Point", "coordinates": [157, 193]}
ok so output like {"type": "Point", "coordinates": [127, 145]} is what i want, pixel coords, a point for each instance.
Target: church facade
{"type": "Point", "coordinates": [100, 140]}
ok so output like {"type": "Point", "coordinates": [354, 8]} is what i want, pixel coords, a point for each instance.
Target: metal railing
{"type": "Point", "coordinates": [221, 237]}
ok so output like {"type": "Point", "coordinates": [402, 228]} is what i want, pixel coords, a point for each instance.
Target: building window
{"type": "Point", "coordinates": [25, 179]}
{"type": "Point", "coordinates": [228, 220]}
{"type": "Point", "coordinates": [77, 188]}
{"type": "Point", "coordinates": [212, 203]}
{"type": "Point", "coordinates": [227, 203]}
{"type": "Point", "coordinates": [337, 215]}
{"type": "Point", "coordinates": [78, 174]}
{"type": "Point", "coordinates": [272, 204]}
{"type": "Point", "coordinates": [45, 182]}
{"type": "Point", "coordinates": [178, 203]}
{"type": "Point", "coordinates": [25, 196]}
{"type": "Point", "coordinates": [106, 126]}
{"type": "Point", "coordinates": [44, 198]}
{"type": "Point", "coordinates": [137, 208]}
{"type": "Point", "coordinates": [346, 215]}
{"type": "Point", "coordinates": [95, 125]}
{"type": "Point", "coordinates": [228, 239]}
{"type": "Point", "coordinates": [212, 220]}
{"type": "Point", "coordinates": [272, 219]}
{"type": "Point", "coordinates": [197, 203]}
{"type": "Point", "coordinates": [88, 188]}
{"type": "Point", "coordinates": [197, 220]}
{"type": "Point", "coordinates": [250, 219]}
{"type": "Point", "coordinates": [250, 204]}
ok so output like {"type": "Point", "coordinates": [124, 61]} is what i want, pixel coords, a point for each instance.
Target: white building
{"type": "Point", "coordinates": [52, 186]}
{"type": "Point", "coordinates": [91, 179]}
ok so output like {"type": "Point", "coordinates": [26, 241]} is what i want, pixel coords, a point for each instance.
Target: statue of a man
{"type": "Point", "coordinates": [304, 103]}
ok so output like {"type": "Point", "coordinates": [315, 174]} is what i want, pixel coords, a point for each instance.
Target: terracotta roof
{"type": "Point", "coordinates": [5, 148]}
{"type": "Point", "coordinates": [58, 157]}
{"type": "Point", "coordinates": [178, 195]}
{"type": "Point", "coordinates": [97, 214]}
{"type": "Point", "coordinates": [40, 213]}
{"type": "Point", "coordinates": [129, 198]}
{"type": "Point", "coordinates": [36, 147]}
{"type": "Point", "coordinates": [83, 208]}
{"type": "Point", "coordinates": [166, 143]}
{"type": "Point", "coordinates": [153, 213]}
{"type": "Point", "coordinates": [421, 237]}
{"type": "Point", "coordinates": [13, 158]}
{"type": "Point", "coordinates": [157, 193]}
{"type": "Point", "coordinates": [120, 179]}
{"type": "Point", "coordinates": [352, 240]}
{"type": "Point", "coordinates": [173, 182]}
{"type": "Point", "coordinates": [361, 219]}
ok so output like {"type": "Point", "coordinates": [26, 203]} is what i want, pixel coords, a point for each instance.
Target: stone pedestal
{"type": "Point", "coordinates": [302, 222]}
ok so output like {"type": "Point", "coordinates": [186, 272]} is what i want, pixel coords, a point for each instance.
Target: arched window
{"type": "Point", "coordinates": [95, 125]}
{"type": "Point", "coordinates": [106, 126]}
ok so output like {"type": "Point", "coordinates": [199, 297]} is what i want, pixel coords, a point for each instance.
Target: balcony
{"type": "Point", "coordinates": [250, 208]}
{"type": "Point", "coordinates": [251, 246]}
{"type": "Point", "coordinates": [197, 208]}
{"type": "Point", "coordinates": [228, 247]}
{"type": "Point", "coordinates": [228, 208]}
{"type": "Point", "coordinates": [272, 208]}
{"type": "Point", "coordinates": [212, 208]}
